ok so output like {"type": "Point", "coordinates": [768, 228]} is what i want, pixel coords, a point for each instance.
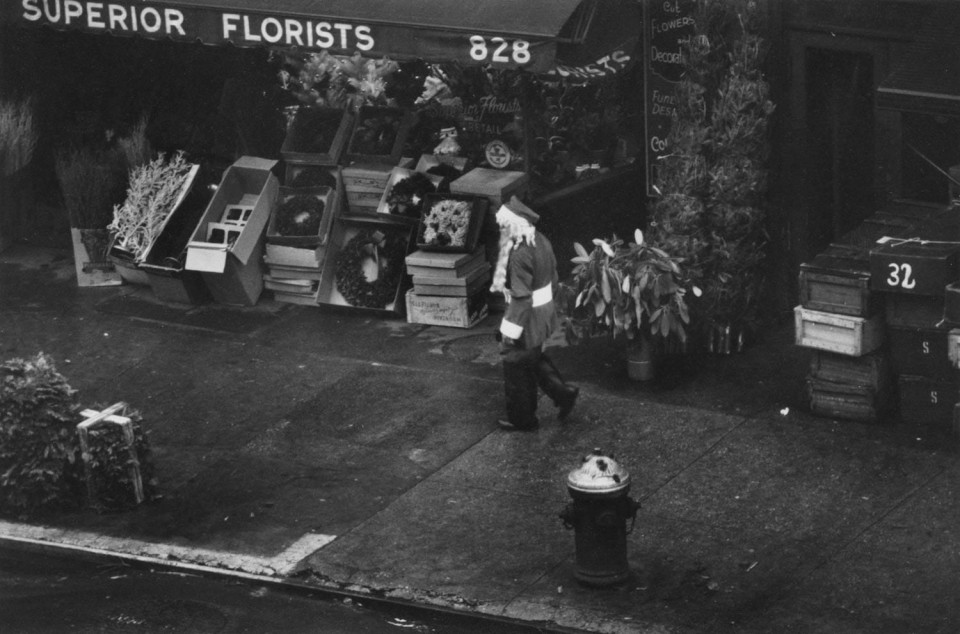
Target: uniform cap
{"type": "Point", "coordinates": [514, 207]}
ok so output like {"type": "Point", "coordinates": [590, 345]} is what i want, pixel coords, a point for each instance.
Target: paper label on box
{"type": "Point", "coordinates": [208, 259]}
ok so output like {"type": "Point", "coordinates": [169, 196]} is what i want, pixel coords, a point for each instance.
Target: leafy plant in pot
{"type": "Point", "coordinates": [631, 293]}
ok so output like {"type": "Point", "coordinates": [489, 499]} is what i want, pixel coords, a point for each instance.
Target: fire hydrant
{"type": "Point", "coordinates": [598, 517]}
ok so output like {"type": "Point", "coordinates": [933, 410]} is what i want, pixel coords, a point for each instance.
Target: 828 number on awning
{"type": "Point", "coordinates": [498, 50]}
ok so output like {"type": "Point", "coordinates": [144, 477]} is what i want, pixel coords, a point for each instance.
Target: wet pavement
{"type": "Point", "coordinates": [359, 453]}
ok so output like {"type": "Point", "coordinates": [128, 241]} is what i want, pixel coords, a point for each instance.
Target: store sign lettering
{"type": "Point", "coordinates": [235, 27]}
{"type": "Point", "coordinates": [105, 15]}
{"type": "Point", "coordinates": [606, 65]}
{"type": "Point", "coordinates": [499, 50]}
{"type": "Point", "coordinates": [292, 32]}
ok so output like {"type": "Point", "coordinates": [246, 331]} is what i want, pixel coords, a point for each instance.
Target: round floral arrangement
{"type": "Point", "coordinates": [299, 215]}
{"type": "Point", "coordinates": [407, 194]}
{"type": "Point", "coordinates": [446, 223]}
{"type": "Point", "coordinates": [388, 251]}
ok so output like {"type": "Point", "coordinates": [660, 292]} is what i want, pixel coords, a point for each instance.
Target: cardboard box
{"type": "Point", "coordinates": [363, 184]}
{"type": "Point", "coordinates": [433, 264]}
{"type": "Point", "coordinates": [456, 312]}
{"type": "Point", "coordinates": [232, 269]}
{"type": "Point", "coordinates": [352, 232]}
{"type": "Point", "coordinates": [295, 256]}
{"type": "Point", "coordinates": [843, 334]}
{"type": "Point", "coordinates": [496, 185]}
{"type": "Point", "coordinates": [916, 268]}
{"type": "Point", "coordinates": [478, 285]}
{"type": "Point", "coordinates": [327, 199]}
{"type": "Point", "coordinates": [315, 127]}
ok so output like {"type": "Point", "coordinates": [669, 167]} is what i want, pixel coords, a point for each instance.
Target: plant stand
{"type": "Point", "coordinates": [109, 416]}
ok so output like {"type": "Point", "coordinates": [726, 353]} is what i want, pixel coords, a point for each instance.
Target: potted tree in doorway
{"type": "Point", "coordinates": [631, 293]}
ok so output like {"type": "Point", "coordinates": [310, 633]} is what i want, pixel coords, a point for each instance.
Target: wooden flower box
{"type": "Point", "coordinates": [843, 334]}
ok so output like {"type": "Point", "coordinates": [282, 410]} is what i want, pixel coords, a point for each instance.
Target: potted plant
{"type": "Point", "coordinates": [91, 181]}
{"type": "Point", "coordinates": [632, 293]}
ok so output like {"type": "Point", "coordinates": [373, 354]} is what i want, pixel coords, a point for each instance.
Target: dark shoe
{"type": "Point", "coordinates": [568, 401]}
{"type": "Point", "coordinates": [508, 426]}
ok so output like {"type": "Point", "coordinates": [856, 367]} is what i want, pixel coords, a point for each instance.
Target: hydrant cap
{"type": "Point", "coordinates": [598, 473]}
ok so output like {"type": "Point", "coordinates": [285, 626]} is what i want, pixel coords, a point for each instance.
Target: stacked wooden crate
{"type": "Point", "coordinates": [914, 276]}
{"type": "Point", "coordinates": [873, 309]}
{"type": "Point", "coordinates": [449, 289]}
{"type": "Point", "coordinates": [841, 319]}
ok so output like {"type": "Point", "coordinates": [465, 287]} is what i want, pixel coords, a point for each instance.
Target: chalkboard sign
{"type": "Point", "coordinates": [667, 24]}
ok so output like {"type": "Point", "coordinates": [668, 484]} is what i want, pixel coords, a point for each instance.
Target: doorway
{"type": "Point", "coordinates": [840, 155]}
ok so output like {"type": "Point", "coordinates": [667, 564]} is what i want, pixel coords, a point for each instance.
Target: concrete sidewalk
{"type": "Point", "coordinates": [361, 454]}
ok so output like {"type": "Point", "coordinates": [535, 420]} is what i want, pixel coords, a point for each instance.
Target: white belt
{"type": "Point", "coordinates": [542, 296]}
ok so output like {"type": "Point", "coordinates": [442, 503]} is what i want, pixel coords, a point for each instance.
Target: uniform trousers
{"type": "Point", "coordinates": [525, 369]}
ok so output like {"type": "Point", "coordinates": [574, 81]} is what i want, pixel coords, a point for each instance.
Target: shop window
{"type": "Point", "coordinates": [931, 145]}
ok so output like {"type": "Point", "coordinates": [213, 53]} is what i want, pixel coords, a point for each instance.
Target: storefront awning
{"type": "Point", "coordinates": [928, 80]}
{"type": "Point", "coordinates": [582, 38]}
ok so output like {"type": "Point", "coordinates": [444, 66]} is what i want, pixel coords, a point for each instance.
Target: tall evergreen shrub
{"type": "Point", "coordinates": [713, 180]}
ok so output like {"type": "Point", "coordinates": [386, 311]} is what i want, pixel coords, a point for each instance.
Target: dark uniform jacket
{"type": "Point", "coordinates": [531, 315]}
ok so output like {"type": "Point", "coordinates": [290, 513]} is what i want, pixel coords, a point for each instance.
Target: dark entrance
{"type": "Point", "coordinates": [840, 143]}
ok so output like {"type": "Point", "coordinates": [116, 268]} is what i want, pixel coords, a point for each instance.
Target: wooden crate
{"type": "Point", "coordinates": [913, 311]}
{"type": "Point", "coordinates": [926, 401]}
{"type": "Point", "coordinates": [849, 402]}
{"type": "Point", "coordinates": [843, 334]}
{"type": "Point", "coordinates": [838, 281]}
{"type": "Point", "coordinates": [916, 268]}
{"type": "Point", "coordinates": [921, 351]}
{"type": "Point", "coordinates": [870, 370]}
{"type": "Point", "coordinates": [951, 303]}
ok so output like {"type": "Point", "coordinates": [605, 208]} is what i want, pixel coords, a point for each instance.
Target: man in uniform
{"type": "Point", "coordinates": [526, 274]}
